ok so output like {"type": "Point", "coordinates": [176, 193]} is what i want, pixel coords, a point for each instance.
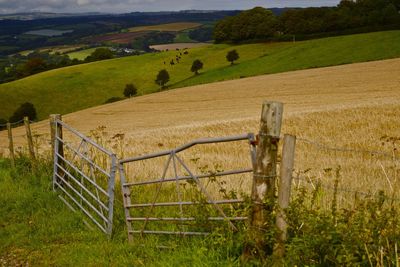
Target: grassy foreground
{"type": "Point", "coordinates": [74, 88]}
{"type": "Point", "coordinates": [37, 229]}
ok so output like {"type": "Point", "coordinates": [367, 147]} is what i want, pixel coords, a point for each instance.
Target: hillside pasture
{"type": "Point", "coordinates": [168, 27]}
{"type": "Point", "coordinates": [91, 84]}
{"type": "Point", "coordinates": [62, 49]}
{"type": "Point", "coordinates": [239, 101]}
{"type": "Point", "coordinates": [166, 47]}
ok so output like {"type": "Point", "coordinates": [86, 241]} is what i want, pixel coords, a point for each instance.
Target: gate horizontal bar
{"type": "Point", "coordinates": [218, 174]}
{"type": "Point", "coordinates": [81, 207]}
{"type": "Point", "coordinates": [74, 210]}
{"type": "Point", "coordinates": [167, 233]}
{"type": "Point", "coordinates": [81, 197]}
{"type": "Point", "coordinates": [166, 204]}
{"type": "Point", "coordinates": [82, 186]}
{"type": "Point", "coordinates": [249, 136]}
{"type": "Point", "coordinates": [84, 157]}
{"type": "Point", "coordinates": [83, 175]}
{"type": "Point", "coordinates": [84, 138]}
{"type": "Point", "coordinates": [133, 219]}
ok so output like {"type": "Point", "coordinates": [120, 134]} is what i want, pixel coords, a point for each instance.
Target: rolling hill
{"type": "Point", "coordinates": [233, 107]}
{"type": "Point", "coordinates": [78, 87]}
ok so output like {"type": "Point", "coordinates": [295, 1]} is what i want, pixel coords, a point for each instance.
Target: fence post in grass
{"type": "Point", "coordinates": [264, 176]}
{"type": "Point", "coordinates": [56, 131]}
{"type": "Point", "coordinates": [56, 146]}
{"type": "Point", "coordinates": [287, 164]}
{"type": "Point", "coordinates": [29, 138]}
{"type": "Point", "coordinates": [11, 145]}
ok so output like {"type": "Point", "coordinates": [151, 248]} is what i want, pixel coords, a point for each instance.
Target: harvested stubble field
{"type": "Point", "coordinates": [349, 106]}
{"type": "Point", "coordinates": [118, 38]}
{"type": "Point", "coordinates": [170, 27]}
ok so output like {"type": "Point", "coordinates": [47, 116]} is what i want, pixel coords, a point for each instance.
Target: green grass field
{"type": "Point", "coordinates": [183, 37]}
{"type": "Point", "coordinates": [37, 229]}
{"type": "Point", "coordinates": [82, 54]}
{"type": "Point", "coordinates": [74, 88]}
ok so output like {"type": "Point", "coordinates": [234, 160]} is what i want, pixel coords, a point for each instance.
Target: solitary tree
{"type": "Point", "coordinates": [162, 78]}
{"type": "Point", "coordinates": [196, 66]}
{"type": "Point", "coordinates": [100, 54]}
{"type": "Point", "coordinates": [130, 90]}
{"type": "Point", "coordinates": [25, 110]}
{"type": "Point", "coordinates": [232, 56]}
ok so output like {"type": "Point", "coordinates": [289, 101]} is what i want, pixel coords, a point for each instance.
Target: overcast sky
{"type": "Point", "coordinates": [125, 6]}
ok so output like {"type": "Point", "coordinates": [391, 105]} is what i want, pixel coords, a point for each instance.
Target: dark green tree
{"type": "Point", "coordinates": [232, 56]}
{"type": "Point", "coordinates": [25, 110]}
{"type": "Point", "coordinates": [100, 54]}
{"type": "Point", "coordinates": [196, 66]}
{"type": "Point", "coordinates": [130, 90]}
{"type": "Point", "coordinates": [3, 124]}
{"type": "Point", "coordinates": [257, 23]}
{"type": "Point", "coordinates": [162, 78]}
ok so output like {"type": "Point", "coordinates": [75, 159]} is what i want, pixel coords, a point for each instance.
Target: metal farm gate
{"type": "Point", "coordinates": [181, 205]}
{"type": "Point", "coordinates": [84, 174]}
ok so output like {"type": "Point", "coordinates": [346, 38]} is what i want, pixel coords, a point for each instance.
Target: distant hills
{"type": "Point", "coordinates": [50, 15]}
{"type": "Point", "coordinates": [44, 15]}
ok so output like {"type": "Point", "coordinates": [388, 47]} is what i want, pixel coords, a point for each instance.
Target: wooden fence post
{"type": "Point", "coordinates": [263, 190]}
{"type": "Point", "coordinates": [11, 145]}
{"type": "Point", "coordinates": [56, 130]}
{"type": "Point", "coordinates": [29, 137]}
{"type": "Point", "coordinates": [287, 164]}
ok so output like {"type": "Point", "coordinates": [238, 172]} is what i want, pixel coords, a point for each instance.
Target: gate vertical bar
{"type": "Point", "coordinates": [111, 185]}
{"type": "Point", "coordinates": [57, 146]}
{"type": "Point", "coordinates": [126, 196]}
{"type": "Point", "coordinates": [11, 145]}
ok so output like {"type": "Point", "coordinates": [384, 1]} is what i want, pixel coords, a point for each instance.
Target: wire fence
{"type": "Point", "coordinates": [316, 185]}
{"type": "Point", "coordinates": [394, 156]}
{"type": "Point", "coordinates": [3, 126]}
{"type": "Point", "coordinates": [338, 149]}
{"type": "Point", "coordinates": [357, 175]}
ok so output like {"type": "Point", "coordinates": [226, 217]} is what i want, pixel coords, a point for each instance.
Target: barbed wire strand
{"type": "Point", "coordinates": [15, 123]}
{"type": "Point", "coordinates": [339, 189]}
{"type": "Point", "coordinates": [325, 147]}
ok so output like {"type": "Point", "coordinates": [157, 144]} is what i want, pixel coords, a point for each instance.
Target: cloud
{"type": "Point", "coordinates": [82, 2]}
{"type": "Point", "coordinates": [124, 6]}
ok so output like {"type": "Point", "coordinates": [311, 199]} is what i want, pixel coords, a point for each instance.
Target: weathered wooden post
{"type": "Point", "coordinates": [287, 164]}
{"type": "Point", "coordinates": [29, 138]}
{"type": "Point", "coordinates": [11, 145]}
{"type": "Point", "coordinates": [56, 130]}
{"type": "Point", "coordinates": [56, 146]}
{"type": "Point", "coordinates": [264, 177]}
